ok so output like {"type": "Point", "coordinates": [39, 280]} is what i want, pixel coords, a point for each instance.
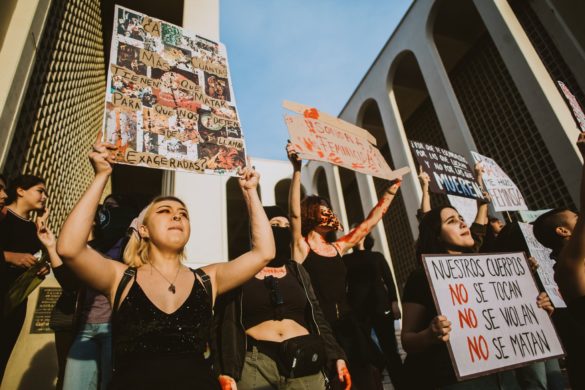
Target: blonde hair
{"type": "Point", "coordinates": [137, 251]}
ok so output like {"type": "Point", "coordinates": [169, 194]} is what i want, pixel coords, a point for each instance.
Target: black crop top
{"type": "Point", "coordinates": [328, 277]}
{"type": "Point", "coordinates": [273, 299]}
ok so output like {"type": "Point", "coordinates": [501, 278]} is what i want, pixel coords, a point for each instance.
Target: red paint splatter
{"type": "Point", "coordinates": [357, 166]}
{"type": "Point", "coordinates": [298, 148]}
{"type": "Point", "coordinates": [308, 144]}
{"type": "Point", "coordinates": [320, 153]}
{"type": "Point", "coordinates": [312, 113]}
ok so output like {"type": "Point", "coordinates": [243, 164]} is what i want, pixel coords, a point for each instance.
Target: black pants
{"type": "Point", "coordinates": [383, 325]}
{"type": "Point", "coordinates": [10, 327]}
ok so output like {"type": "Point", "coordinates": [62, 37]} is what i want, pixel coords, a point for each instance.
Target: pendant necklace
{"type": "Point", "coordinates": [172, 287]}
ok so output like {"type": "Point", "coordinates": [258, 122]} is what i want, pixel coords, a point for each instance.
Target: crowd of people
{"type": "Point", "coordinates": [304, 308]}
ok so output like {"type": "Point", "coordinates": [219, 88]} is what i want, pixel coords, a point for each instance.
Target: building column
{"type": "Point", "coordinates": [449, 113]}
{"type": "Point", "coordinates": [539, 92]}
{"type": "Point", "coordinates": [204, 195]}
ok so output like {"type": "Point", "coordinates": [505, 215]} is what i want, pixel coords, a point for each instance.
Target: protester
{"type": "Point", "coordinates": [373, 299]}
{"type": "Point", "coordinates": [22, 240]}
{"type": "Point", "coordinates": [424, 332]}
{"type": "Point", "coordinates": [563, 231]}
{"type": "Point", "coordinates": [311, 221]}
{"type": "Point", "coordinates": [162, 326]}
{"type": "Point", "coordinates": [272, 318]}
{"type": "Point", "coordinates": [89, 361]}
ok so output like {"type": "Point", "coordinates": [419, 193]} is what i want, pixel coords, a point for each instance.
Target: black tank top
{"type": "Point", "coordinates": [328, 276]}
{"type": "Point", "coordinates": [273, 299]}
{"type": "Point", "coordinates": [153, 349]}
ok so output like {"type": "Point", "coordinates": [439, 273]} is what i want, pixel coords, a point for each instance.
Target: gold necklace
{"type": "Point", "coordinates": [172, 288]}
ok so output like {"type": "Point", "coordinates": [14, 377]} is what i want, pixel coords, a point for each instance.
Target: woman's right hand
{"type": "Point", "coordinates": [20, 260]}
{"type": "Point", "coordinates": [440, 328]}
{"type": "Point", "coordinates": [293, 157]}
{"type": "Point", "coordinates": [424, 179]}
{"type": "Point", "coordinates": [101, 156]}
{"type": "Point", "coordinates": [227, 383]}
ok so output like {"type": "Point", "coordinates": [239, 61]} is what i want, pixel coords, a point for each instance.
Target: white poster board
{"type": "Point", "coordinates": [545, 269]}
{"type": "Point", "coordinates": [491, 303]}
{"type": "Point", "coordinates": [169, 99]}
{"type": "Point", "coordinates": [466, 207]}
{"type": "Point", "coordinates": [505, 194]}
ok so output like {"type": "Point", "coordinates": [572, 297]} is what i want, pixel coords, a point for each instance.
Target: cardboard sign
{"type": "Point", "coordinates": [505, 194]}
{"type": "Point", "coordinates": [545, 270]}
{"type": "Point", "coordinates": [466, 207]}
{"type": "Point", "coordinates": [449, 172]}
{"type": "Point", "coordinates": [169, 100]}
{"type": "Point", "coordinates": [576, 109]}
{"type": "Point", "coordinates": [491, 303]}
{"type": "Point", "coordinates": [321, 137]}
{"type": "Point", "coordinates": [530, 216]}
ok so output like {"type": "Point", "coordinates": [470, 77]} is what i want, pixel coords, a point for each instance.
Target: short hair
{"type": "Point", "coordinates": [23, 181]}
{"type": "Point", "coordinates": [311, 213]}
{"type": "Point", "coordinates": [545, 227]}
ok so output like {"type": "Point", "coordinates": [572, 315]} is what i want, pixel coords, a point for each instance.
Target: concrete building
{"type": "Point", "coordinates": [466, 75]}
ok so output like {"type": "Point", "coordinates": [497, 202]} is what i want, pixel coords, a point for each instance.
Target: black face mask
{"type": "Point", "coordinates": [282, 240]}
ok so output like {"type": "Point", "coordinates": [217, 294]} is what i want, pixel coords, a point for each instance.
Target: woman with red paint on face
{"type": "Point", "coordinates": [311, 221]}
{"type": "Point", "coordinates": [424, 331]}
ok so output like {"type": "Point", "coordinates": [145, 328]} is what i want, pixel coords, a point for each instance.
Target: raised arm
{"type": "Point", "coordinates": [91, 267]}
{"type": "Point", "coordinates": [482, 218]}
{"type": "Point", "coordinates": [226, 276]}
{"type": "Point", "coordinates": [575, 249]}
{"type": "Point", "coordinates": [300, 248]}
{"type": "Point", "coordinates": [425, 203]}
{"type": "Point", "coordinates": [355, 235]}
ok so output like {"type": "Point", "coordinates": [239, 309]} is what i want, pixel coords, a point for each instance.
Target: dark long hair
{"type": "Point", "coordinates": [429, 233]}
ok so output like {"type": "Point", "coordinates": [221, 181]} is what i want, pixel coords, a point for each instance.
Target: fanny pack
{"type": "Point", "coordinates": [301, 356]}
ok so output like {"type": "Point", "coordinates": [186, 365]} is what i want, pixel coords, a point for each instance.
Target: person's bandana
{"type": "Point", "coordinates": [329, 219]}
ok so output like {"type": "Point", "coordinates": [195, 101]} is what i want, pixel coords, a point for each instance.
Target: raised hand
{"type": "Point", "coordinates": [293, 157]}
{"type": "Point", "coordinates": [543, 301]}
{"type": "Point", "coordinates": [394, 186]}
{"type": "Point", "coordinates": [424, 179]}
{"type": "Point", "coordinates": [101, 156]}
{"type": "Point", "coordinates": [249, 179]}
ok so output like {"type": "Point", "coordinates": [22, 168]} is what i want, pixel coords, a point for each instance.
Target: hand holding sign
{"type": "Point", "coordinates": [440, 328]}
{"type": "Point", "coordinates": [293, 156]}
{"type": "Point", "coordinates": [102, 156]}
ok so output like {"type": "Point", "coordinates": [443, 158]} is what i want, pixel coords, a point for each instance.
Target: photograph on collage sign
{"type": "Point", "coordinates": [169, 100]}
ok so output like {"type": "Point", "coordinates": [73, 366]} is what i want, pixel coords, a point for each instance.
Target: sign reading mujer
{"type": "Point", "coordinates": [491, 303]}
{"type": "Point", "coordinates": [449, 172]}
{"type": "Point", "coordinates": [318, 136]}
{"type": "Point", "coordinates": [169, 99]}
{"type": "Point", "coordinates": [505, 194]}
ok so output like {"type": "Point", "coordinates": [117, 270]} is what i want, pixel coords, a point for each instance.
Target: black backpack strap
{"type": "Point", "coordinates": [128, 274]}
{"type": "Point", "coordinates": [206, 283]}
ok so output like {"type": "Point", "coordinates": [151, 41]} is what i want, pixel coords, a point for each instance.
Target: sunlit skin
{"type": "Point", "coordinates": [454, 231]}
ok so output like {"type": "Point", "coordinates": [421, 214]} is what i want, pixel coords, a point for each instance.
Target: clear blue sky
{"type": "Point", "coordinates": [313, 52]}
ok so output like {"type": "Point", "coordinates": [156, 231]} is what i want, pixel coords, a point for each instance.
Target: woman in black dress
{"type": "Point", "coordinates": [162, 325]}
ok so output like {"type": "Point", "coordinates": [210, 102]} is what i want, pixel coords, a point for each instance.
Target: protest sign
{"type": "Point", "coordinates": [576, 109]}
{"type": "Point", "coordinates": [505, 194]}
{"type": "Point", "coordinates": [545, 270]}
{"type": "Point", "coordinates": [491, 303]}
{"type": "Point", "coordinates": [169, 99]}
{"type": "Point", "coordinates": [449, 172]}
{"type": "Point", "coordinates": [466, 207]}
{"type": "Point", "coordinates": [321, 137]}
{"type": "Point", "coordinates": [530, 216]}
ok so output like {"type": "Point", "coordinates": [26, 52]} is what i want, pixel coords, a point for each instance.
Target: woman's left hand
{"type": "Point", "coordinates": [343, 374]}
{"type": "Point", "coordinates": [544, 302]}
{"type": "Point", "coordinates": [394, 186]}
{"type": "Point", "coordinates": [44, 234]}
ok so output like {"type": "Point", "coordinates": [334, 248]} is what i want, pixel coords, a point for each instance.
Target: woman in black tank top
{"type": "Point", "coordinates": [274, 309]}
{"type": "Point", "coordinates": [161, 329]}
{"type": "Point", "coordinates": [312, 220]}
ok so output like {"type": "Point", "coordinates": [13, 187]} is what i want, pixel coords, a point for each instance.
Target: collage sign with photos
{"type": "Point", "coordinates": [169, 100]}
